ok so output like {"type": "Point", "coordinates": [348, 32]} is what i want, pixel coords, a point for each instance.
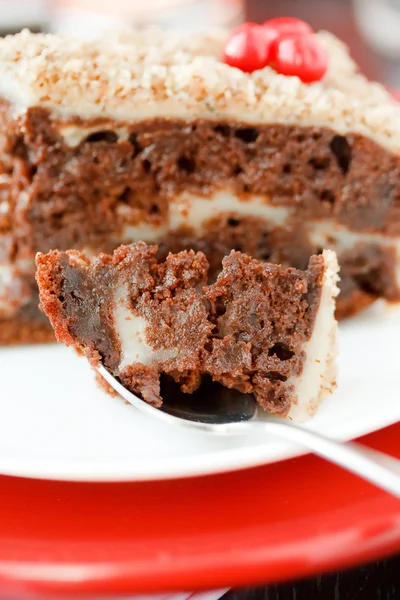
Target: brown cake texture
{"type": "Point", "coordinates": [149, 136]}
{"type": "Point", "coordinates": [259, 328]}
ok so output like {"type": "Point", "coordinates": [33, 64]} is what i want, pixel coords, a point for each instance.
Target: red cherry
{"type": "Point", "coordinates": [299, 55]}
{"type": "Point", "coordinates": [287, 26]}
{"type": "Point", "coordinates": [248, 48]}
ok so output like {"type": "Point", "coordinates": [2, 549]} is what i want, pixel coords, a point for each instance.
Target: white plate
{"type": "Point", "coordinates": [56, 423]}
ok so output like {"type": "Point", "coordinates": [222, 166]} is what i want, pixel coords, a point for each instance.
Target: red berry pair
{"type": "Point", "coordinates": [286, 44]}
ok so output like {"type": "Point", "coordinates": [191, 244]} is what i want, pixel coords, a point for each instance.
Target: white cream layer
{"type": "Point", "coordinates": [144, 232]}
{"type": "Point", "coordinates": [73, 135]}
{"type": "Point", "coordinates": [319, 371]}
{"type": "Point", "coordinates": [172, 109]}
{"type": "Point", "coordinates": [194, 211]}
{"type": "Point", "coordinates": [325, 233]}
{"type": "Point", "coordinates": [131, 330]}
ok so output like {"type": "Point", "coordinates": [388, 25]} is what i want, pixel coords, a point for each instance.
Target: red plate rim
{"type": "Point", "coordinates": [281, 521]}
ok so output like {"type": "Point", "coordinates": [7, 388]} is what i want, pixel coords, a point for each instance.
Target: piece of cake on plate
{"type": "Point", "coordinates": [168, 138]}
{"type": "Point", "coordinates": [258, 328]}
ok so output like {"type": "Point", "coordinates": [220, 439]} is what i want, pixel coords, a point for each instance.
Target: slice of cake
{"type": "Point", "coordinates": [152, 136]}
{"type": "Point", "coordinates": [258, 328]}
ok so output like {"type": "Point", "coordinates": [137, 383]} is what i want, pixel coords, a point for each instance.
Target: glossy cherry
{"type": "Point", "coordinates": [248, 48]}
{"type": "Point", "coordinates": [299, 55]}
{"type": "Point", "coordinates": [287, 26]}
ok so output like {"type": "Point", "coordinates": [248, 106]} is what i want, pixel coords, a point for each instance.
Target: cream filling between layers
{"type": "Point", "coordinates": [318, 378]}
{"type": "Point", "coordinates": [144, 232]}
{"type": "Point", "coordinates": [189, 210]}
{"type": "Point", "coordinates": [131, 330]}
{"type": "Point", "coordinates": [194, 211]}
{"type": "Point", "coordinates": [327, 234]}
{"type": "Point", "coordinates": [170, 110]}
{"type": "Point", "coordinates": [73, 135]}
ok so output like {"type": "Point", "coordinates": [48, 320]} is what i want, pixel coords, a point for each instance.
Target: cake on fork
{"type": "Point", "coordinates": [183, 142]}
{"type": "Point", "coordinates": [259, 328]}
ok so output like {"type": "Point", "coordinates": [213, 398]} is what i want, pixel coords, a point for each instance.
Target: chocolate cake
{"type": "Point", "coordinates": [259, 328]}
{"type": "Point", "coordinates": [150, 136]}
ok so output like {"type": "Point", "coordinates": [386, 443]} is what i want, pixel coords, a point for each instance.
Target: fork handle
{"type": "Point", "coordinates": [376, 467]}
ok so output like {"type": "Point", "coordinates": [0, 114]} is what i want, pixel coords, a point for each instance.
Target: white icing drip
{"type": "Point", "coordinates": [319, 372]}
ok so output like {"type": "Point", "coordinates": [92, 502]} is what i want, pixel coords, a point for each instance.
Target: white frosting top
{"type": "Point", "coordinates": [132, 76]}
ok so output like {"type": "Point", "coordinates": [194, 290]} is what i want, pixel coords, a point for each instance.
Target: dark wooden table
{"type": "Point", "coordinates": [378, 581]}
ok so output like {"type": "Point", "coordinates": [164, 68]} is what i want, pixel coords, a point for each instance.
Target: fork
{"type": "Point", "coordinates": [229, 412]}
